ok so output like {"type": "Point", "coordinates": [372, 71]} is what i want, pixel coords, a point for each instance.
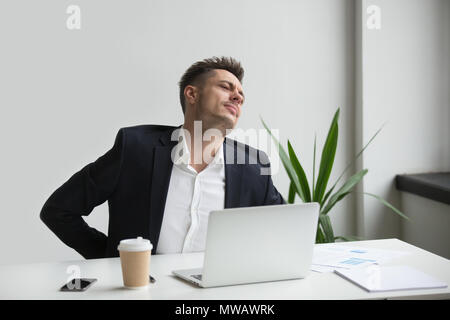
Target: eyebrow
{"type": "Point", "coordinates": [232, 85]}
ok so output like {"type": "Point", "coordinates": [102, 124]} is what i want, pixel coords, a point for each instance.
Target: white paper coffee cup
{"type": "Point", "coordinates": [135, 261]}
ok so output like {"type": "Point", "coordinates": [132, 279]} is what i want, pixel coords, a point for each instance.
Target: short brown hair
{"type": "Point", "coordinates": [197, 73]}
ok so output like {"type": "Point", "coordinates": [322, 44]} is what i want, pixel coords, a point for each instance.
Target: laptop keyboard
{"type": "Point", "coordinates": [197, 276]}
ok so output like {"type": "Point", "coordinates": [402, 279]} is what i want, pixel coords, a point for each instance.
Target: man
{"type": "Point", "coordinates": [162, 182]}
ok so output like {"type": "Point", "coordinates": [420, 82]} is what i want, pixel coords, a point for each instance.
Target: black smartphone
{"type": "Point", "coordinates": [78, 284]}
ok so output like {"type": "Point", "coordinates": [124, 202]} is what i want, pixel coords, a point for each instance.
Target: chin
{"type": "Point", "coordinates": [224, 124]}
{"type": "Point", "coordinates": [230, 122]}
{"type": "Point", "coordinates": [223, 121]}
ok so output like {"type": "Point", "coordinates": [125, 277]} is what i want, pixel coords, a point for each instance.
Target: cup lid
{"type": "Point", "coordinates": [135, 244]}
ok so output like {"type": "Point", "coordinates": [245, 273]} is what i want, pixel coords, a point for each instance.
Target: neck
{"type": "Point", "coordinates": [203, 143]}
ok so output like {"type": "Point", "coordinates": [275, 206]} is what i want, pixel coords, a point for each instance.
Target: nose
{"type": "Point", "coordinates": [236, 97]}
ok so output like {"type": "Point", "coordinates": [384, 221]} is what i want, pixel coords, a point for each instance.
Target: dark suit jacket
{"type": "Point", "coordinates": [134, 178]}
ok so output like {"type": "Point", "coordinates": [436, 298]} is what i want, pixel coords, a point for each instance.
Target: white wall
{"type": "Point", "coordinates": [64, 94]}
{"type": "Point", "coordinates": [405, 72]}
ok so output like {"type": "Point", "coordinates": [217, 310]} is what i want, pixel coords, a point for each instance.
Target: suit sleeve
{"type": "Point", "coordinates": [77, 197]}
{"type": "Point", "coordinates": [272, 196]}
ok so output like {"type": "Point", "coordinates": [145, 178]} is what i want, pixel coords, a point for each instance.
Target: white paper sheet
{"type": "Point", "coordinates": [322, 269]}
{"type": "Point", "coordinates": [331, 256]}
{"type": "Point", "coordinates": [377, 278]}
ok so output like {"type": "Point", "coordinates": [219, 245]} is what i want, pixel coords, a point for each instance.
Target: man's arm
{"type": "Point", "coordinates": [77, 197]}
{"type": "Point", "coordinates": [272, 196]}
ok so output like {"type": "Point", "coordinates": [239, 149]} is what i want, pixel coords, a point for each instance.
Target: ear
{"type": "Point", "coordinates": [191, 94]}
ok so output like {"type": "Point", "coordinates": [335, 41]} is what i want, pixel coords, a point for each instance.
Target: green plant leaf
{"type": "Point", "coordinates": [348, 238]}
{"type": "Point", "coordinates": [327, 159]}
{"type": "Point", "coordinates": [287, 164]}
{"type": "Point", "coordinates": [353, 161]}
{"type": "Point", "coordinates": [291, 196]}
{"type": "Point", "coordinates": [325, 222]}
{"type": "Point", "coordinates": [344, 190]}
{"type": "Point", "coordinates": [300, 173]}
{"type": "Point", "coordinates": [314, 165]}
{"type": "Point", "coordinates": [320, 238]}
{"type": "Point", "coordinates": [342, 196]}
{"type": "Point", "coordinates": [390, 206]}
{"type": "Point", "coordinates": [324, 200]}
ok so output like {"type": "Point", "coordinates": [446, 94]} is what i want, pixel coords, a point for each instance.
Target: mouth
{"type": "Point", "coordinates": [232, 108]}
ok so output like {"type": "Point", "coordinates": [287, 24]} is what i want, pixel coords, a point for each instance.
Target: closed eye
{"type": "Point", "coordinates": [230, 86]}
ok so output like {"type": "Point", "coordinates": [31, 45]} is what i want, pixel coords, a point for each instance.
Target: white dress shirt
{"type": "Point", "coordinates": [190, 199]}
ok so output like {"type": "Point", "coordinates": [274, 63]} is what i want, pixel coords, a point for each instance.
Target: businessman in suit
{"type": "Point", "coordinates": [162, 182]}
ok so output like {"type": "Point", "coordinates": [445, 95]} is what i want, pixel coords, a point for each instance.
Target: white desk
{"type": "Point", "coordinates": [43, 280]}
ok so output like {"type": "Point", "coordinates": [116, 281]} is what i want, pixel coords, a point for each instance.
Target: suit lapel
{"type": "Point", "coordinates": [233, 175]}
{"type": "Point", "coordinates": [161, 173]}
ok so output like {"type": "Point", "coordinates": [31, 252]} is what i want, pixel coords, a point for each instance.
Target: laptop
{"type": "Point", "coordinates": [257, 244]}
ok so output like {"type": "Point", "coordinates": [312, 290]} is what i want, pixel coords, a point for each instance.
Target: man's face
{"type": "Point", "coordinates": [220, 100]}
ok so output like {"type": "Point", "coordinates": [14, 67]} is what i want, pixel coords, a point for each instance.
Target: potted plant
{"type": "Point", "coordinates": [318, 192]}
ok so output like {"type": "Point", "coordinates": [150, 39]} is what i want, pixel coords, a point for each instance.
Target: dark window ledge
{"type": "Point", "coordinates": [435, 186]}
